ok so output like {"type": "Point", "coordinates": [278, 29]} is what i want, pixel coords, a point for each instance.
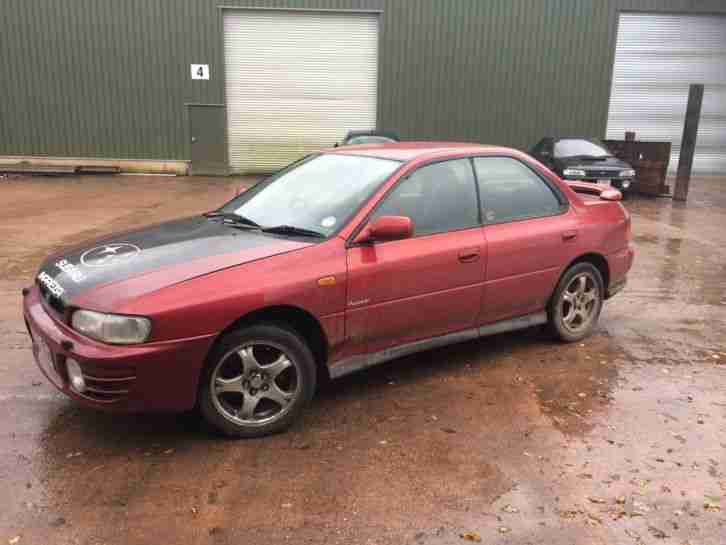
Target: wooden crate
{"type": "Point", "coordinates": [650, 161]}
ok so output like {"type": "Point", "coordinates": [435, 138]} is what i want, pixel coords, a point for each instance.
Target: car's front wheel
{"type": "Point", "coordinates": [257, 381]}
{"type": "Point", "coordinates": [576, 304]}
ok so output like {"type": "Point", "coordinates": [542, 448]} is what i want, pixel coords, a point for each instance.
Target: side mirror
{"type": "Point", "coordinates": [386, 228]}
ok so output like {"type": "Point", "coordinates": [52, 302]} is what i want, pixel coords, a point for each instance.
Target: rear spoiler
{"type": "Point", "coordinates": [606, 193]}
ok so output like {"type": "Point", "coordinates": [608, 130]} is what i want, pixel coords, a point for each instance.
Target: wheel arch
{"type": "Point", "coordinates": [299, 320]}
{"type": "Point", "coordinates": [595, 259]}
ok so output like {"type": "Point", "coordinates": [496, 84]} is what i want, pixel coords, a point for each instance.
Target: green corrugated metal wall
{"type": "Point", "coordinates": [110, 78]}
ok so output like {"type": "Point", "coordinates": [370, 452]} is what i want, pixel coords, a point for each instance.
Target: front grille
{"type": "Point", "coordinates": [55, 303]}
{"type": "Point", "coordinates": [602, 174]}
{"type": "Point", "coordinates": [106, 385]}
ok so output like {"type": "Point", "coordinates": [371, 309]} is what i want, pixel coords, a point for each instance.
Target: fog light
{"type": "Point", "coordinates": [75, 375]}
{"type": "Point", "coordinates": [625, 184]}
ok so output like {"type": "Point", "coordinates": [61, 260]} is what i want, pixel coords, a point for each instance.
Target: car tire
{"type": "Point", "coordinates": [257, 381]}
{"type": "Point", "coordinates": [575, 306]}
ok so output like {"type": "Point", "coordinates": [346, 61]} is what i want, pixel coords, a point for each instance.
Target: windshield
{"type": "Point", "coordinates": [576, 147]}
{"type": "Point", "coordinates": [319, 193]}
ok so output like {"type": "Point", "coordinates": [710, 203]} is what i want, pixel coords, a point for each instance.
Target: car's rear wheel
{"type": "Point", "coordinates": [576, 304]}
{"type": "Point", "coordinates": [257, 381]}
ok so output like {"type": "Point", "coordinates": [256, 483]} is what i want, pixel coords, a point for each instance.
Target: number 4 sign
{"type": "Point", "coordinates": [200, 71]}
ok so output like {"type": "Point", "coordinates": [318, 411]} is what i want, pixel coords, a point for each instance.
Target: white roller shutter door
{"type": "Point", "coordinates": [657, 58]}
{"type": "Point", "coordinates": [296, 82]}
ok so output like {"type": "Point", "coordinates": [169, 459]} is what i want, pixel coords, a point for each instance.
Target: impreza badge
{"type": "Point", "coordinates": [49, 282]}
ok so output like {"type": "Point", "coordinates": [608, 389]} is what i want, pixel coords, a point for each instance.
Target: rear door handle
{"type": "Point", "coordinates": [467, 256]}
{"type": "Point", "coordinates": [569, 235]}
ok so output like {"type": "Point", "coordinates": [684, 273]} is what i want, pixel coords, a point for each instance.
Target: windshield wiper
{"type": "Point", "coordinates": [241, 221]}
{"type": "Point", "coordinates": [233, 218]}
{"type": "Point", "coordinates": [292, 230]}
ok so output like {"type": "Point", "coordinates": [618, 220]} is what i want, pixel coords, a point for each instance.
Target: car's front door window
{"type": "Point", "coordinates": [438, 198]}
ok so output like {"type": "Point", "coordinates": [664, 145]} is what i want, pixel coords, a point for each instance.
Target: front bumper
{"type": "Point", "coordinates": [617, 183]}
{"type": "Point", "coordinates": [158, 376]}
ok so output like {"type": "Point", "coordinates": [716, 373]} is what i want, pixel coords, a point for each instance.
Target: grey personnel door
{"type": "Point", "coordinates": [207, 127]}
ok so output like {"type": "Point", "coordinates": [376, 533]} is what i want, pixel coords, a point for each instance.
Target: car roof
{"type": "Point", "coordinates": [409, 151]}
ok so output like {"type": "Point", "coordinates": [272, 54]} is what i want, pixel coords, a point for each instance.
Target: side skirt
{"type": "Point", "coordinates": [363, 361]}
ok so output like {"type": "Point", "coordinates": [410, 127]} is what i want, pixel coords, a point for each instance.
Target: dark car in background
{"type": "Point", "coordinates": [354, 138]}
{"type": "Point", "coordinates": [584, 159]}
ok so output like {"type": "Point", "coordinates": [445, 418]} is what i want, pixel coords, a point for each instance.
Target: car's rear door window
{"type": "Point", "coordinates": [439, 197]}
{"type": "Point", "coordinates": [511, 191]}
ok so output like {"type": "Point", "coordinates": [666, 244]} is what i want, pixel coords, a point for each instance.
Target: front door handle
{"type": "Point", "coordinates": [468, 256]}
{"type": "Point", "coordinates": [569, 235]}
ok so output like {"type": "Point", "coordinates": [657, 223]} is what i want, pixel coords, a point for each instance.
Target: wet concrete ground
{"type": "Point", "coordinates": [514, 439]}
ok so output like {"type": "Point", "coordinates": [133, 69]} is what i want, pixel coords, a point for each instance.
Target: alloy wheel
{"type": "Point", "coordinates": [255, 384]}
{"type": "Point", "coordinates": [580, 302]}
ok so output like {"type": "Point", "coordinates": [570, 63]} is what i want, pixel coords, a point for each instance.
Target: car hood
{"type": "Point", "coordinates": [609, 164]}
{"type": "Point", "coordinates": [108, 272]}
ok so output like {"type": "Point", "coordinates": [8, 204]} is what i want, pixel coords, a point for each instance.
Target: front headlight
{"type": "Point", "coordinates": [627, 173]}
{"type": "Point", "coordinates": [111, 328]}
{"type": "Point", "coordinates": [574, 172]}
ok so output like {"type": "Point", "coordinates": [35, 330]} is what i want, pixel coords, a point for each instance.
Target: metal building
{"type": "Point", "coordinates": [657, 57]}
{"type": "Point", "coordinates": [249, 85]}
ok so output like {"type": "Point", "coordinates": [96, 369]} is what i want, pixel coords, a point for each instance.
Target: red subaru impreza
{"type": "Point", "coordinates": [343, 260]}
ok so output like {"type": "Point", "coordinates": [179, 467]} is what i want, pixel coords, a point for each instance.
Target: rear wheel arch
{"type": "Point", "coordinates": [300, 321]}
{"type": "Point", "coordinates": [595, 259]}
